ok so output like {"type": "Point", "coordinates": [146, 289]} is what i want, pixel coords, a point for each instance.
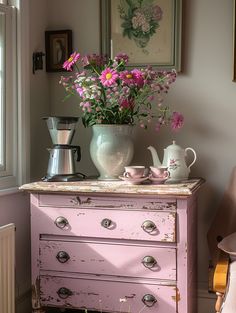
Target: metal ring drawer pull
{"type": "Point", "coordinates": [149, 261]}
{"type": "Point", "coordinates": [61, 222]}
{"type": "Point", "coordinates": [62, 256]}
{"type": "Point", "coordinates": [148, 226]}
{"type": "Point", "coordinates": [106, 222]}
{"type": "Point", "coordinates": [149, 300]}
{"type": "Point", "coordinates": [64, 293]}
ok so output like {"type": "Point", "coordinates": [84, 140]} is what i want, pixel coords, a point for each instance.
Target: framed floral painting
{"type": "Point", "coordinates": [149, 31]}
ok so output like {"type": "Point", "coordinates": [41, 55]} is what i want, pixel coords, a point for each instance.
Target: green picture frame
{"type": "Point", "coordinates": [149, 31]}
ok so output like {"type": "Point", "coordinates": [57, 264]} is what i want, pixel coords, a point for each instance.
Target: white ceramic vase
{"type": "Point", "coordinates": [111, 149]}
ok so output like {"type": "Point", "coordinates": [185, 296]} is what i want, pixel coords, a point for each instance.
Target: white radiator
{"type": "Point", "coordinates": [7, 268]}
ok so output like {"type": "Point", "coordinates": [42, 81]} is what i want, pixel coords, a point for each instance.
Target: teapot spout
{"type": "Point", "coordinates": [155, 158]}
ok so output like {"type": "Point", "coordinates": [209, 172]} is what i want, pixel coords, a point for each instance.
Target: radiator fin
{"type": "Point", "coordinates": [7, 268]}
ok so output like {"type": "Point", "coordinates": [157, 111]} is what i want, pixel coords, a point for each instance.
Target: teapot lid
{"type": "Point", "coordinates": [174, 146]}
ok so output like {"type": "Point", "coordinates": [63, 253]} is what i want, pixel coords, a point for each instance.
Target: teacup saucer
{"type": "Point", "coordinates": [134, 181]}
{"type": "Point", "coordinates": [158, 180]}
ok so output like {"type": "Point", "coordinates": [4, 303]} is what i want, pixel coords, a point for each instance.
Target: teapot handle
{"type": "Point", "coordinates": [194, 154]}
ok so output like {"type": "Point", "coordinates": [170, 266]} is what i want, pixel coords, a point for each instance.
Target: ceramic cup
{"type": "Point", "coordinates": [134, 171]}
{"type": "Point", "coordinates": [159, 172]}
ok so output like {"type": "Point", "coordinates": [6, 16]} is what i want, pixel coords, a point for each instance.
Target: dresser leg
{"type": "Point", "coordinates": [36, 307]}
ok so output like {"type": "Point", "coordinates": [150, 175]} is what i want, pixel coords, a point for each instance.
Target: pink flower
{"type": "Point", "coordinates": [80, 91]}
{"type": "Point", "coordinates": [127, 104]}
{"type": "Point", "coordinates": [177, 121]}
{"type": "Point", "coordinates": [157, 13]}
{"type": "Point", "coordinates": [138, 77]}
{"type": "Point", "coordinates": [108, 77]}
{"type": "Point", "coordinates": [122, 57]}
{"type": "Point", "coordinates": [85, 60]}
{"type": "Point", "coordinates": [67, 65]}
{"type": "Point", "coordinates": [127, 77]}
{"type": "Point", "coordinates": [94, 60]}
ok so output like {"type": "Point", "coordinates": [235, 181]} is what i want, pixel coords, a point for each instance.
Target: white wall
{"type": "Point", "coordinates": [15, 207]}
{"type": "Point", "coordinates": [204, 92]}
{"type": "Point", "coordinates": [82, 16]}
{"type": "Point", "coordinates": [39, 89]}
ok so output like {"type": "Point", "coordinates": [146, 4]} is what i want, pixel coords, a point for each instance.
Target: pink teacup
{"type": "Point", "coordinates": [134, 171]}
{"type": "Point", "coordinates": [159, 172]}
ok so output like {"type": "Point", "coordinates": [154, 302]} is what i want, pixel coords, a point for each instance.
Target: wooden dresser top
{"type": "Point", "coordinates": [182, 189]}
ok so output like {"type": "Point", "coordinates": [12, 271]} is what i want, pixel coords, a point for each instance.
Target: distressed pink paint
{"type": "Point", "coordinates": [92, 293]}
{"type": "Point", "coordinates": [124, 224]}
{"type": "Point", "coordinates": [107, 259]}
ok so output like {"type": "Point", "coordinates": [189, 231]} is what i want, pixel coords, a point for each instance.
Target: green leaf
{"type": "Point", "coordinates": [130, 4]}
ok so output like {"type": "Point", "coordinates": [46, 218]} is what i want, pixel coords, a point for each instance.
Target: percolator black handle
{"type": "Point", "coordinates": [78, 150]}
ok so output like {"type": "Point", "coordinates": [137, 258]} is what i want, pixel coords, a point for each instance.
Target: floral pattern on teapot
{"type": "Point", "coordinates": [173, 165]}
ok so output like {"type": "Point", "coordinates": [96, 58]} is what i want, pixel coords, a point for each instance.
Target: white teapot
{"type": "Point", "coordinates": [174, 159]}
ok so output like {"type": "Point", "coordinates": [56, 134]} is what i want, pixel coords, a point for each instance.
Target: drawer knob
{"type": "Point", "coordinates": [61, 222]}
{"type": "Point", "coordinates": [149, 300]}
{"type": "Point", "coordinates": [62, 256]}
{"type": "Point", "coordinates": [148, 226]}
{"type": "Point", "coordinates": [149, 261]}
{"type": "Point", "coordinates": [64, 293]}
{"type": "Point", "coordinates": [106, 222]}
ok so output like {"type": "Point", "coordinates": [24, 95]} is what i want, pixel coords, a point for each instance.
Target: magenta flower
{"type": "Point", "coordinates": [67, 65]}
{"type": "Point", "coordinates": [177, 121]}
{"type": "Point", "coordinates": [127, 77]}
{"type": "Point", "coordinates": [122, 57]}
{"type": "Point", "coordinates": [108, 77]}
{"type": "Point", "coordinates": [127, 104]}
{"type": "Point", "coordinates": [138, 77]}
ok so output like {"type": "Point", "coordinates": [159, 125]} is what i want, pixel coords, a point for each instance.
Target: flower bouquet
{"type": "Point", "coordinates": [112, 93]}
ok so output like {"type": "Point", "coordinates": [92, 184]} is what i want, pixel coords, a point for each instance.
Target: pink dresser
{"type": "Point", "coordinates": [94, 243]}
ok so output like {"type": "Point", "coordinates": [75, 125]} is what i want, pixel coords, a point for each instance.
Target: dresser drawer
{"type": "Point", "coordinates": [108, 259]}
{"type": "Point", "coordinates": [105, 295]}
{"type": "Point", "coordinates": [125, 224]}
{"type": "Point", "coordinates": [79, 201]}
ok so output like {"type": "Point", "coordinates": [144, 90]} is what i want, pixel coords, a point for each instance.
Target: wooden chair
{"type": "Point", "coordinates": [220, 279]}
{"type": "Point", "coordinates": [223, 225]}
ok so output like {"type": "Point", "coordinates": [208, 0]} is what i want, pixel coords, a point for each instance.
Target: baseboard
{"type": "Point", "coordinates": [24, 296]}
{"type": "Point", "coordinates": [202, 293]}
{"type": "Point", "coordinates": [23, 302]}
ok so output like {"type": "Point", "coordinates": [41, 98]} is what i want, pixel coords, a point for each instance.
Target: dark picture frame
{"type": "Point", "coordinates": [163, 48]}
{"type": "Point", "coordinates": [58, 45]}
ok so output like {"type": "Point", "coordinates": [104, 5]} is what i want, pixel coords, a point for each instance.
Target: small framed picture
{"type": "Point", "coordinates": [58, 44]}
